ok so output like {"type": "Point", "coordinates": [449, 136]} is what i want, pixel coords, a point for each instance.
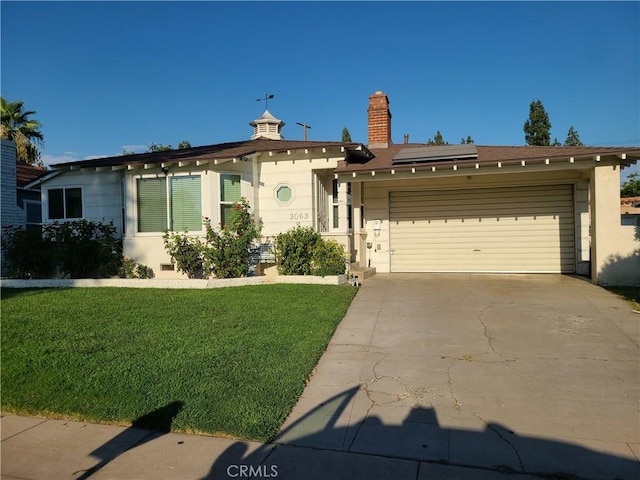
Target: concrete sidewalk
{"type": "Point", "coordinates": [36, 448]}
{"type": "Point", "coordinates": [427, 377]}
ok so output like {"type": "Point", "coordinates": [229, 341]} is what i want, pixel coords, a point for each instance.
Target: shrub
{"type": "Point", "coordinates": [26, 254]}
{"type": "Point", "coordinates": [294, 250]}
{"type": "Point", "coordinates": [131, 269]}
{"type": "Point", "coordinates": [78, 249]}
{"type": "Point", "coordinates": [84, 249]}
{"type": "Point", "coordinates": [303, 251]}
{"type": "Point", "coordinates": [225, 252]}
{"type": "Point", "coordinates": [186, 252]}
{"type": "Point", "coordinates": [328, 258]}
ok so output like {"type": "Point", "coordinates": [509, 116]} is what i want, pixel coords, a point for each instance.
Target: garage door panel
{"type": "Point", "coordinates": [427, 201]}
{"type": "Point", "coordinates": [528, 229]}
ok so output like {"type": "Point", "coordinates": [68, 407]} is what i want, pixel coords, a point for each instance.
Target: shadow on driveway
{"type": "Point", "coordinates": [429, 455]}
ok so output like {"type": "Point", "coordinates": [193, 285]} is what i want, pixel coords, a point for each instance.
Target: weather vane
{"type": "Point", "coordinates": [267, 97]}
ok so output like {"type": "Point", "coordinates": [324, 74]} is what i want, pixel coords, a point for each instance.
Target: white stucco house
{"type": "Point", "coordinates": [396, 207]}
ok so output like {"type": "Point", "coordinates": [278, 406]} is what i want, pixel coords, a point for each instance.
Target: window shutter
{"type": "Point", "coordinates": [186, 211]}
{"type": "Point", "coordinates": [152, 205]}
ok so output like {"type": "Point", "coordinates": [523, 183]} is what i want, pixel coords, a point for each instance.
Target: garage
{"type": "Point", "coordinates": [526, 229]}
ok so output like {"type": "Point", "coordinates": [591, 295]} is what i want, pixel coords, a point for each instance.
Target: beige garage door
{"type": "Point", "coordinates": [514, 229]}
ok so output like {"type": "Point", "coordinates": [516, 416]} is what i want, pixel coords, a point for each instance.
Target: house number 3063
{"type": "Point", "coordinates": [299, 216]}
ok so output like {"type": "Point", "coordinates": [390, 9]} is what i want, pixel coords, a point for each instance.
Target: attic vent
{"type": "Point", "coordinates": [435, 153]}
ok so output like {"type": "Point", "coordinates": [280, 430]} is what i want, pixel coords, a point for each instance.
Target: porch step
{"type": "Point", "coordinates": [362, 272]}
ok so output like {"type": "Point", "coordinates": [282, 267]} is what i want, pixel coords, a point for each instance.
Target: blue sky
{"type": "Point", "coordinates": [108, 76]}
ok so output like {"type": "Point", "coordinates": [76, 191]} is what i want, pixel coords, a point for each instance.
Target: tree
{"type": "Point", "coordinates": [537, 127]}
{"type": "Point", "coordinates": [573, 139]}
{"type": "Point", "coordinates": [437, 140]}
{"type": "Point", "coordinates": [184, 144]}
{"type": "Point", "coordinates": [556, 143]}
{"type": "Point", "coordinates": [155, 147]}
{"type": "Point", "coordinates": [24, 131]}
{"type": "Point", "coordinates": [128, 152]}
{"type": "Point", "coordinates": [631, 188]}
{"type": "Point", "coordinates": [468, 140]}
{"type": "Point", "coordinates": [346, 136]}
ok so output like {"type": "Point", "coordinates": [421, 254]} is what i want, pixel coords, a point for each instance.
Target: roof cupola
{"type": "Point", "coordinates": [267, 126]}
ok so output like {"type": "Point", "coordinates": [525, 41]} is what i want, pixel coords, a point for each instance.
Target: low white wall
{"type": "Point", "coordinates": [170, 283]}
{"type": "Point", "coordinates": [622, 268]}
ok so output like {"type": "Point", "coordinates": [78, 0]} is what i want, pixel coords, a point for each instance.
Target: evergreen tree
{"type": "Point", "coordinates": [346, 136]}
{"type": "Point", "coordinates": [437, 140]}
{"type": "Point", "coordinates": [155, 147]}
{"type": "Point", "coordinates": [537, 128]}
{"type": "Point", "coordinates": [556, 143]}
{"type": "Point", "coordinates": [631, 188]}
{"type": "Point", "coordinates": [184, 144]}
{"type": "Point", "coordinates": [468, 140]}
{"type": "Point", "coordinates": [573, 139]}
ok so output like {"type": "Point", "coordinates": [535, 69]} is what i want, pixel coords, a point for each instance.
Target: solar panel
{"type": "Point", "coordinates": [435, 153]}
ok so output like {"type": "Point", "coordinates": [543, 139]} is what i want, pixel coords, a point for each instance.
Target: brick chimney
{"type": "Point", "coordinates": [379, 120]}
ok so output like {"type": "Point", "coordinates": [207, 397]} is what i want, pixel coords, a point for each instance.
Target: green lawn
{"type": "Point", "coordinates": [630, 294]}
{"type": "Point", "coordinates": [222, 361]}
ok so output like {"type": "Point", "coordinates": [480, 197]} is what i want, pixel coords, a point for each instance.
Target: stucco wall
{"type": "Point", "coordinates": [261, 177]}
{"type": "Point", "coordinates": [615, 248]}
{"type": "Point", "coordinates": [622, 267]}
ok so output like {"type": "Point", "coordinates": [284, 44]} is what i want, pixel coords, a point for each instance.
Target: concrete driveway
{"type": "Point", "coordinates": [534, 374]}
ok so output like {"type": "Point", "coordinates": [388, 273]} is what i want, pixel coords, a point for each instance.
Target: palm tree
{"type": "Point", "coordinates": [24, 131]}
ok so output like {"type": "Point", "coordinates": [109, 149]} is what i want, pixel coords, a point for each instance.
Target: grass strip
{"type": "Point", "coordinates": [630, 294]}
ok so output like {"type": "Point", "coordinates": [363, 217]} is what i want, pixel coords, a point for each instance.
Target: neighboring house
{"type": "Point", "coordinates": [20, 206]}
{"type": "Point", "coordinates": [398, 207]}
{"type": "Point", "coordinates": [28, 200]}
{"type": "Point", "coordinates": [11, 214]}
{"type": "Point", "coordinates": [630, 211]}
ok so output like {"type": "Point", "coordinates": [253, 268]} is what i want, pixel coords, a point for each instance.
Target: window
{"type": "Point", "coordinates": [186, 213]}
{"type": "Point", "coordinates": [230, 193]}
{"type": "Point", "coordinates": [284, 194]}
{"type": "Point", "coordinates": [33, 209]}
{"type": "Point", "coordinates": [182, 194]}
{"type": "Point", "coordinates": [152, 204]}
{"type": "Point", "coordinates": [334, 202]}
{"type": "Point", "coordinates": [349, 209]}
{"type": "Point", "coordinates": [65, 203]}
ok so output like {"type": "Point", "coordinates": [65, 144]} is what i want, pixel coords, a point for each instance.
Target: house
{"type": "Point", "coordinates": [20, 205]}
{"type": "Point", "coordinates": [396, 207]}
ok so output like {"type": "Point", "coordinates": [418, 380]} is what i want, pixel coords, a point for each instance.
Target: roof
{"type": "Point", "coordinates": [488, 155]}
{"type": "Point", "coordinates": [26, 174]}
{"type": "Point", "coordinates": [630, 206]}
{"type": "Point", "coordinates": [266, 117]}
{"type": "Point", "coordinates": [207, 153]}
